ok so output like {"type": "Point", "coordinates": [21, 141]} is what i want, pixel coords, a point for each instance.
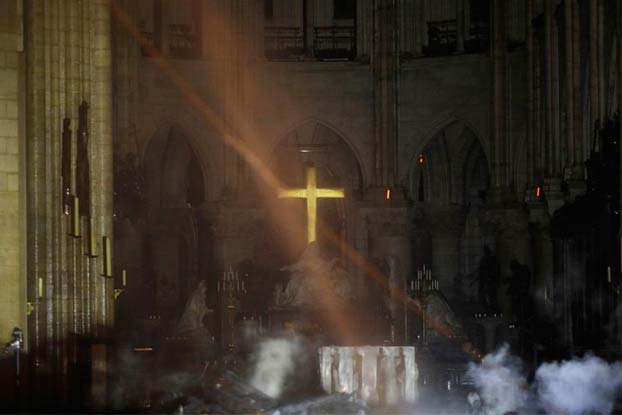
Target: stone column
{"type": "Point", "coordinates": [385, 67]}
{"type": "Point", "coordinates": [574, 173]}
{"type": "Point", "coordinates": [542, 249]}
{"type": "Point", "coordinates": [593, 51]}
{"type": "Point", "coordinates": [460, 32]}
{"type": "Point", "coordinates": [619, 97]}
{"type": "Point", "coordinates": [548, 82]}
{"type": "Point", "coordinates": [569, 86]}
{"type": "Point", "coordinates": [552, 183]}
{"type": "Point", "coordinates": [389, 239]}
{"type": "Point", "coordinates": [602, 80]}
{"type": "Point", "coordinates": [420, 27]}
{"type": "Point", "coordinates": [363, 20]}
{"type": "Point", "coordinates": [576, 83]}
{"type": "Point", "coordinates": [12, 174]}
{"type": "Point", "coordinates": [531, 132]}
{"type": "Point", "coordinates": [65, 285]}
{"type": "Point", "coordinates": [509, 227]}
{"type": "Point", "coordinates": [499, 162]}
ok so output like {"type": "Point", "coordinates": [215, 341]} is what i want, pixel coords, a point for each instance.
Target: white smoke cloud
{"type": "Point", "coordinates": [275, 361]}
{"type": "Point", "coordinates": [500, 382]}
{"type": "Point", "coordinates": [586, 385]}
{"type": "Point", "coordinates": [572, 387]}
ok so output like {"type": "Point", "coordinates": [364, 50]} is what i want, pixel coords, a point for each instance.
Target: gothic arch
{"type": "Point", "coordinates": [293, 127]}
{"type": "Point", "coordinates": [337, 166]}
{"type": "Point", "coordinates": [156, 148]}
{"type": "Point", "coordinates": [438, 126]}
{"type": "Point", "coordinates": [176, 183]}
{"type": "Point", "coordinates": [449, 157]}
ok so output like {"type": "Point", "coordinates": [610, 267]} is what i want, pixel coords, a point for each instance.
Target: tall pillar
{"type": "Point", "coordinates": [66, 286]}
{"type": "Point", "coordinates": [577, 87]}
{"type": "Point", "coordinates": [12, 182]}
{"type": "Point", "coordinates": [512, 239]}
{"type": "Point", "coordinates": [593, 68]}
{"type": "Point", "coordinates": [619, 89]}
{"type": "Point", "coordinates": [575, 171]}
{"type": "Point", "coordinates": [460, 32]}
{"type": "Point", "coordinates": [389, 239]}
{"type": "Point", "coordinates": [499, 130]}
{"type": "Point", "coordinates": [385, 67]}
{"type": "Point", "coordinates": [529, 36]}
{"type": "Point", "coordinates": [363, 28]}
{"type": "Point", "coordinates": [548, 82]}
{"type": "Point", "coordinates": [568, 66]}
{"type": "Point", "coordinates": [552, 183]}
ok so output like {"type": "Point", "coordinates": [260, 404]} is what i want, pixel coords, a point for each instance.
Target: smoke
{"type": "Point", "coordinates": [573, 387]}
{"type": "Point", "coordinates": [585, 385]}
{"type": "Point", "coordinates": [275, 360]}
{"type": "Point", "coordinates": [500, 382]}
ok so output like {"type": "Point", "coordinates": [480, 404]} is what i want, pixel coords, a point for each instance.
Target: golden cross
{"type": "Point", "coordinates": [312, 193]}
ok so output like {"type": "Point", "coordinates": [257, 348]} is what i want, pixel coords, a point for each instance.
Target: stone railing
{"type": "Point", "coordinates": [284, 43]}
{"type": "Point", "coordinates": [442, 37]}
{"type": "Point", "coordinates": [334, 42]}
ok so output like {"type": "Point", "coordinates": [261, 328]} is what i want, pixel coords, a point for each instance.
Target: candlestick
{"type": "Point", "coordinates": [609, 274]}
{"type": "Point", "coordinates": [40, 293]}
{"type": "Point", "coordinates": [76, 217]}
{"type": "Point", "coordinates": [107, 256]}
{"type": "Point", "coordinates": [124, 278]}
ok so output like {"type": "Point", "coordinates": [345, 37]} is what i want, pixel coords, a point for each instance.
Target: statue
{"type": "Point", "coordinates": [191, 322]}
{"type": "Point", "coordinates": [83, 182]}
{"type": "Point", "coordinates": [313, 280]}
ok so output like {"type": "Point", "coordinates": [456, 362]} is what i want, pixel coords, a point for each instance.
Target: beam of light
{"type": "Point", "coordinates": [273, 185]}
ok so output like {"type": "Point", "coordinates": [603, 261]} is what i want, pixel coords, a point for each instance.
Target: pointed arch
{"type": "Point", "coordinates": [449, 156]}
{"type": "Point", "coordinates": [313, 121]}
{"type": "Point", "coordinates": [169, 139]}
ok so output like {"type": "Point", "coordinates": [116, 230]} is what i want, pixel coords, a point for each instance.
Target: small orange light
{"type": "Point", "coordinates": [538, 191]}
{"type": "Point", "coordinates": [388, 193]}
{"type": "Point", "coordinates": [421, 160]}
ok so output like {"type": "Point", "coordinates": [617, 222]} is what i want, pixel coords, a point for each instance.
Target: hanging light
{"type": "Point", "coordinates": [387, 193]}
{"type": "Point", "coordinates": [421, 159]}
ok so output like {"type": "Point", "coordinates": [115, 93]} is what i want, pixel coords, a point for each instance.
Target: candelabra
{"type": "Point", "coordinates": [230, 288]}
{"type": "Point", "coordinates": [420, 288]}
{"type": "Point", "coordinates": [424, 283]}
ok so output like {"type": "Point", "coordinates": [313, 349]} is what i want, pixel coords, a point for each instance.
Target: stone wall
{"type": "Point", "coordinates": [12, 295]}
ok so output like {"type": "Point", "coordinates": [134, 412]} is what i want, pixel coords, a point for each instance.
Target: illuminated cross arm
{"type": "Point", "coordinates": [311, 192]}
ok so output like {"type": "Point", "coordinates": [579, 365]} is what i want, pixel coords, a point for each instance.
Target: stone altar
{"type": "Point", "coordinates": [382, 375]}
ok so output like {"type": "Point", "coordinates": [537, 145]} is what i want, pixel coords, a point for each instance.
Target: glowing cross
{"type": "Point", "coordinates": [312, 193]}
